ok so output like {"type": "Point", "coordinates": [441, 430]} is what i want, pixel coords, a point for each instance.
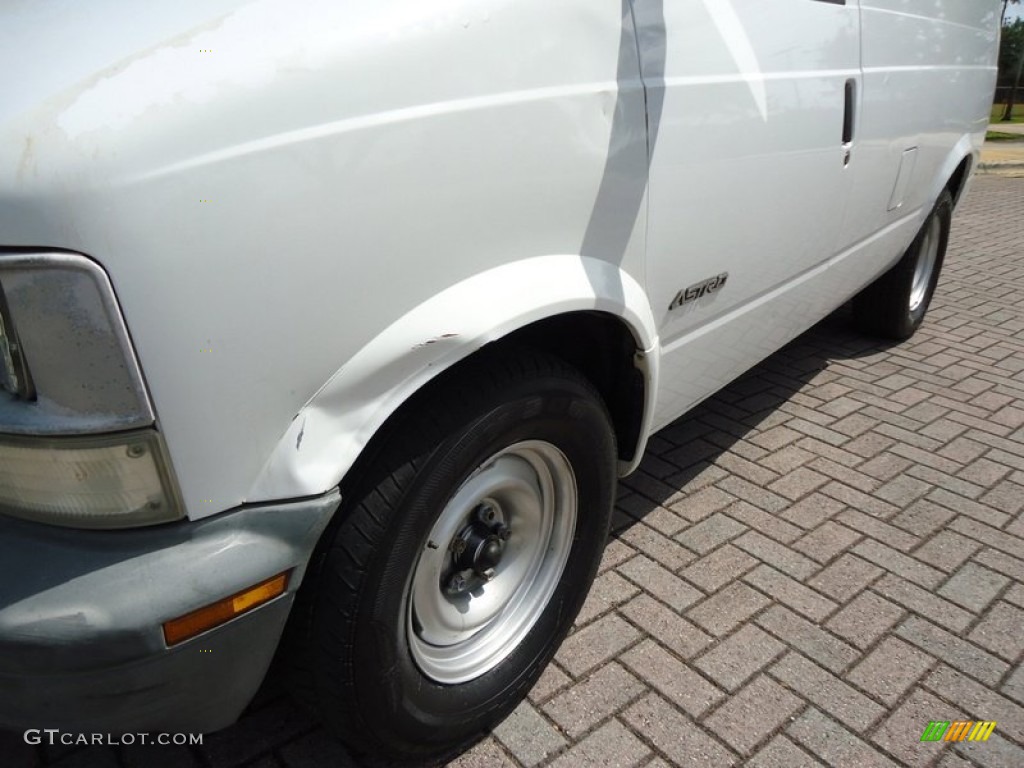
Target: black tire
{"type": "Point", "coordinates": [895, 304]}
{"type": "Point", "coordinates": [349, 641]}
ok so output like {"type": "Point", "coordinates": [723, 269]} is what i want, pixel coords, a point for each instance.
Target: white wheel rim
{"type": "Point", "coordinates": [927, 258]}
{"type": "Point", "coordinates": [529, 488]}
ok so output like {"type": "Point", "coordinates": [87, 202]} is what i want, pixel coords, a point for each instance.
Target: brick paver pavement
{"type": "Point", "coordinates": [807, 569]}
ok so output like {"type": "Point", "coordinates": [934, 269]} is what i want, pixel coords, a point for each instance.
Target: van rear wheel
{"type": "Point", "coordinates": [895, 304]}
{"type": "Point", "coordinates": [465, 547]}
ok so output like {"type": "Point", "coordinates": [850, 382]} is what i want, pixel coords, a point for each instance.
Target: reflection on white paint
{"type": "Point", "coordinates": [248, 49]}
{"type": "Point", "coordinates": [741, 49]}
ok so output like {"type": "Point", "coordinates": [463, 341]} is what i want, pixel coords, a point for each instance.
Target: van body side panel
{"type": "Point", "coordinates": [929, 75]}
{"type": "Point", "coordinates": [270, 190]}
{"type": "Point", "coordinates": [748, 177]}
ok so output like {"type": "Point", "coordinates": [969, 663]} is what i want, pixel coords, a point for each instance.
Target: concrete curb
{"type": "Point", "coordinates": [1000, 166]}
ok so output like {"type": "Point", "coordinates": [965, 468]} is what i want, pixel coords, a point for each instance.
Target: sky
{"type": "Point", "coordinates": [1015, 12]}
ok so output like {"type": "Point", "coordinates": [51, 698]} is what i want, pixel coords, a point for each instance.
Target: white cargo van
{"type": "Point", "coordinates": [336, 322]}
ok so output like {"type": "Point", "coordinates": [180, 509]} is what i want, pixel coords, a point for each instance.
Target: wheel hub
{"type": "Point", "coordinates": [491, 562]}
{"type": "Point", "coordinates": [477, 551]}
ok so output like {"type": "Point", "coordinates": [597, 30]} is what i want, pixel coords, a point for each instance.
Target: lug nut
{"type": "Point", "coordinates": [486, 513]}
{"type": "Point", "coordinates": [457, 584]}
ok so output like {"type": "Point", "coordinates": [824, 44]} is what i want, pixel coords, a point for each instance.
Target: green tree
{"type": "Point", "coordinates": [1011, 62]}
{"type": "Point", "coordinates": [1006, 3]}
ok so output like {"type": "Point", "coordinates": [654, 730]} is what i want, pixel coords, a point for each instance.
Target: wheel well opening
{"type": "Point", "coordinates": [956, 181]}
{"type": "Point", "coordinates": [598, 345]}
{"type": "Point", "coordinates": [603, 349]}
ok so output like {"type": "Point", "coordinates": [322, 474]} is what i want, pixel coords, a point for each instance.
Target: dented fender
{"type": "Point", "coordinates": [328, 434]}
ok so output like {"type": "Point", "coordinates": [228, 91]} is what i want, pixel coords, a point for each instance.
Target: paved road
{"type": "Point", "coordinates": [810, 567]}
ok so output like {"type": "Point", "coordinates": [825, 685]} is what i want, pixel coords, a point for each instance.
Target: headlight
{"type": "Point", "coordinates": [113, 481]}
{"type": "Point", "coordinates": [69, 368]}
{"type": "Point", "coordinates": [78, 441]}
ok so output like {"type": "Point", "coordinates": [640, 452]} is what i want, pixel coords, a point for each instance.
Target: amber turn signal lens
{"type": "Point", "coordinates": [215, 614]}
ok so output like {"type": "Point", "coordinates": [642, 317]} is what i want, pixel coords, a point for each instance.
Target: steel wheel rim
{"type": "Point", "coordinates": [925, 267]}
{"type": "Point", "coordinates": [531, 489]}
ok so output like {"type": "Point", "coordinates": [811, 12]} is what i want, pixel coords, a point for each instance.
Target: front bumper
{"type": "Point", "coordinates": [81, 644]}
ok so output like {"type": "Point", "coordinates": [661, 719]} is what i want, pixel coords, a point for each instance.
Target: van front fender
{"type": "Point", "coordinates": [329, 432]}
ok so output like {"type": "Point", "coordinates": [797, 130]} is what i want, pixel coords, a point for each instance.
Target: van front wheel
{"type": "Point", "coordinates": [895, 304]}
{"type": "Point", "coordinates": [466, 547]}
